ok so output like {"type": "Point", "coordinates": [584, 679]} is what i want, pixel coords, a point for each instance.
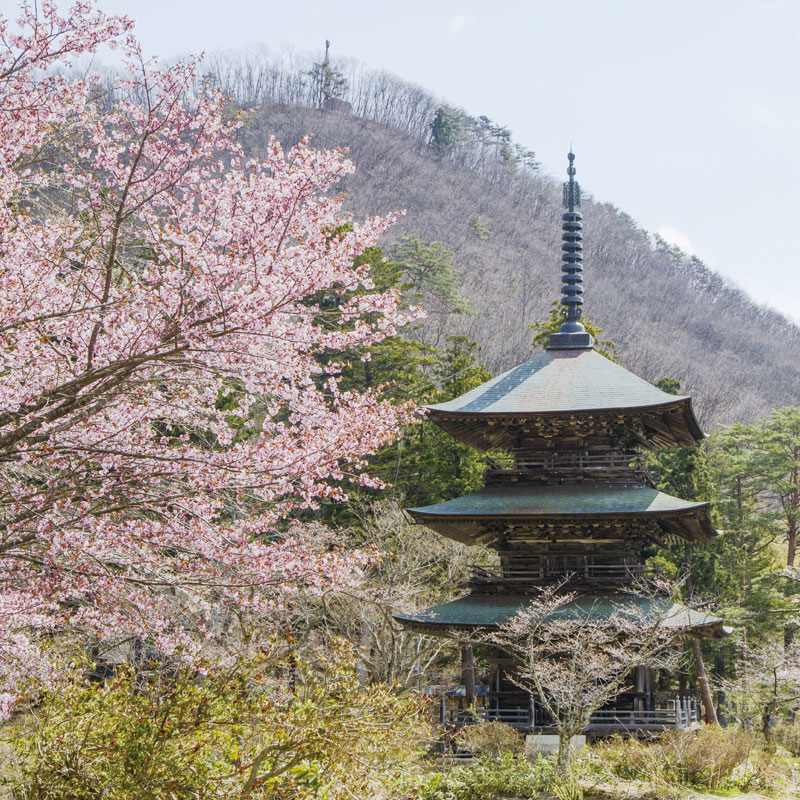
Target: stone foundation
{"type": "Point", "coordinates": [546, 744]}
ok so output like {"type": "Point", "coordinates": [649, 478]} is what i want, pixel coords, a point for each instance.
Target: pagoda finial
{"type": "Point", "coordinates": [572, 335]}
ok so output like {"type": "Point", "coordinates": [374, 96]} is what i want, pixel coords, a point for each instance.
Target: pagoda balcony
{"type": "Point", "coordinates": [608, 467]}
{"type": "Point", "coordinates": [679, 713]}
{"type": "Point", "coordinates": [488, 579]}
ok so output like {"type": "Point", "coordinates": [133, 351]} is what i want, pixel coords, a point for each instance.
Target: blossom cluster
{"type": "Point", "coordinates": [164, 403]}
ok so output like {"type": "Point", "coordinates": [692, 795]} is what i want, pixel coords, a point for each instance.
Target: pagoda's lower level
{"type": "Point", "coordinates": [638, 711]}
{"type": "Point", "coordinates": [642, 708]}
{"type": "Point", "coordinates": [583, 533]}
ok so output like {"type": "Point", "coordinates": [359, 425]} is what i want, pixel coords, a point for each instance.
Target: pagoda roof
{"type": "Point", "coordinates": [564, 382]}
{"type": "Point", "coordinates": [457, 518]}
{"type": "Point", "coordinates": [492, 610]}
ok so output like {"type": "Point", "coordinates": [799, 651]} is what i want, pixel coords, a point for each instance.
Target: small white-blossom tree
{"type": "Point", "coordinates": [575, 656]}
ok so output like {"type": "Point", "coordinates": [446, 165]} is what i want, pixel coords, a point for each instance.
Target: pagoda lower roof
{"type": "Point", "coordinates": [492, 610]}
{"type": "Point", "coordinates": [564, 383]}
{"type": "Point", "coordinates": [463, 518]}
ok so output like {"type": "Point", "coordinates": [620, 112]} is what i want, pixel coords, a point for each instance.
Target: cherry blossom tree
{"type": "Point", "coordinates": [164, 303]}
{"type": "Point", "coordinates": [575, 654]}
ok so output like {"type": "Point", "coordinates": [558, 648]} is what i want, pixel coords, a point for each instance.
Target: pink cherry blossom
{"type": "Point", "coordinates": [163, 406]}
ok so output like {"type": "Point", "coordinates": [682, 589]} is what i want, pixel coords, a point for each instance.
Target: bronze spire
{"type": "Point", "coordinates": [572, 334]}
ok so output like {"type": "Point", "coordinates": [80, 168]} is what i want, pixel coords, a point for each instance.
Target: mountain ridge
{"type": "Point", "coordinates": [669, 314]}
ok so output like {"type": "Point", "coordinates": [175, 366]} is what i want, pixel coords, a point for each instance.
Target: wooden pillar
{"type": "Point", "coordinates": [649, 701]}
{"type": "Point", "coordinates": [639, 703]}
{"type": "Point", "coordinates": [498, 677]}
{"type": "Point", "coordinates": [490, 699]}
{"type": "Point", "coordinates": [532, 711]}
{"type": "Point", "coordinates": [702, 679]}
{"type": "Point", "coordinates": [468, 674]}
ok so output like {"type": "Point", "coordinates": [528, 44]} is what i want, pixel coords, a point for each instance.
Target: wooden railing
{"type": "Point", "coordinates": [612, 466]}
{"type": "Point", "coordinates": [680, 713]}
{"type": "Point", "coordinates": [488, 577]}
{"type": "Point", "coordinates": [459, 717]}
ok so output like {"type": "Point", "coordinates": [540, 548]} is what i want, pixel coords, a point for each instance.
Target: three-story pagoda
{"type": "Point", "coordinates": [567, 501]}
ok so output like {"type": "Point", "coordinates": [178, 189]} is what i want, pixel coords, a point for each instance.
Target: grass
{"type": "Point", "coordinates": [712, 761]}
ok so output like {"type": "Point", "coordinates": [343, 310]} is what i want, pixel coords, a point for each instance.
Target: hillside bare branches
{"type": "Point", "coordinates": [669, 313]}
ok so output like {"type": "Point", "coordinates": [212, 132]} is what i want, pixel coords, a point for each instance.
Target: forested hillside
{"type": "Point", "coordinates": [484, 198]}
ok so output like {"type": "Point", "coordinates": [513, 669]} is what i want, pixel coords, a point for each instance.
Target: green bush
{"type": "Point", "coordinates": [568, 786]}
{"type": "Point", "coordinates": [707, 758]}
{"type": "Point", "coordinates": [244, 734]}
{"type": "Point", "coordinates": [788, 736]}
{"type": "Point", "coordinates": [486, 779]}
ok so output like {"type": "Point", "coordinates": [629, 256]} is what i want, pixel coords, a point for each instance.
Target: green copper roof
{"type": "Point", "coordinates": [473, 518]}
{"type": "Point", "coordinates": [554, 501]}
{"type": "Point", "coordinates": [559, 380]}
{"type": "Point", "coordinates": [562, 382]}
{"type": "Point", "coordinates": [490, 610]}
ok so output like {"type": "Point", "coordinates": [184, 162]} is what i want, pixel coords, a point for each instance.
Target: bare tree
{"type": "Point", "coordinates": [766, 684]}
{"type": "Point", "coordinates": [575, 655]}
{"type": "Point", "coordinates": [417, 569]}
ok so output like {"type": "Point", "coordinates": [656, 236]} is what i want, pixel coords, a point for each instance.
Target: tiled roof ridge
{"type": "Point", "coordinates": [560, 380]}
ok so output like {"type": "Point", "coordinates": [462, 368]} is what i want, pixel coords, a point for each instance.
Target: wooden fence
{"type": "Point", "coordinates": [680, 713]}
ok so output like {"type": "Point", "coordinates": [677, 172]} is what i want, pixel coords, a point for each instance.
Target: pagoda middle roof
{"type": "Point", "coordinates": [566, 500]}
{"type": "Point", "coordinates": [563, 382]}
{"type": "Point", "coordinates": [492, 610]}
{"type": "Point", "coordinates": [582, 503]}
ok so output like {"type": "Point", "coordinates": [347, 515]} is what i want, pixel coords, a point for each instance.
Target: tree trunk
{"type": "Point", "coordinates": [789, 629]}
{"type": "Point", "coordinates": [702, 678]}
{"type": "Point", "coordinates": [766, 721]}
{"type": "Point", "coordinates": [564, 740]}
{"type": "Point", "coordinates": [468, 674]}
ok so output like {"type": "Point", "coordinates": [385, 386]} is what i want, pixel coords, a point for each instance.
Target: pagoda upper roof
{"type": "Point", "coordinates": [464, 518]}
{"type": "Point", "coordinates": [492, 610]}
{"type": "Point", "coordinates": [561, 382]}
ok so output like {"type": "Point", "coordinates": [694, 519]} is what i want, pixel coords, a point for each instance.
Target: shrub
{"type": "Point", "coordinates": [788, 736]}
{"type": "Point", "coordinates": [490, 739]}
{"type": "Point", "coordinates": [567, 786]}
{"type": "Point", "coordinates": [241, 735]}
{"type": "Point", "coordinates": [487, 779]}
{"type": "Point", "coordinates": [763, 774]}
{"type": "Point", "coordinates": [705, 758]}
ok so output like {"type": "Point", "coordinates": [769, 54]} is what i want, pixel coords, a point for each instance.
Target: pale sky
{"type": "Point", "coordinates": [683, 113]}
